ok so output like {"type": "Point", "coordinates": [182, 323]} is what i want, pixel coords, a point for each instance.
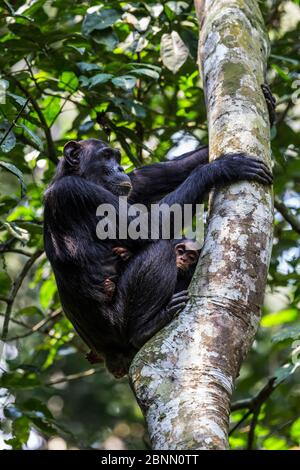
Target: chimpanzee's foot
{"type": "Point", "coordinates": [155, 324]}
{"type": "Point", "coordinates": [271, 102]}
{"type": "Point", "coordinates": [109, 288]}
{"type": "Point", "coordinates": [94, 357]}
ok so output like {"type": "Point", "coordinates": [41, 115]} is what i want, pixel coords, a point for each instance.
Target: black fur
{"type": "Point", "coordinates": [146, 297]}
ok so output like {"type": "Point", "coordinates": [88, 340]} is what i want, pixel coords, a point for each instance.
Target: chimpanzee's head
{"type": "Point", "coordinates": [95, 161]}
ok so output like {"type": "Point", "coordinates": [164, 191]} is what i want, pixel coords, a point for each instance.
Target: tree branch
{"type": "Point", "coordinates": [183, 378]}
{"type": "Point", "coordinates": [50, 144]}
{"type": "Point", "coordinates": [14, 290]}
{"type": "Point", "coordinates": [38, 326]}
{"type": "Point", "coordinates": [14, 122]}
{"type": "Point", "coordinates": [287, 215]}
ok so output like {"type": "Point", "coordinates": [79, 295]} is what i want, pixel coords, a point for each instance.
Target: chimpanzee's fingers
{"type": "Point", "coordinates": [260, 177]}
{"type": "Point", "coordinates": [176, 308]}
{"type": "Point", "coordinates": [178, 299]}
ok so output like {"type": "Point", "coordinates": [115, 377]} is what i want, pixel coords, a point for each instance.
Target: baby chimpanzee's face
{"type": "Point", "coordinates": [187, 254]}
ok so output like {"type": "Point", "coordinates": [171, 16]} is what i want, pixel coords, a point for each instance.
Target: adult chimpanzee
{"type": "Point", "coordinates": [89, 175]}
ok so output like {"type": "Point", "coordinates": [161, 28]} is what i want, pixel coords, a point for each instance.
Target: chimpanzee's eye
{"type": "Point", "coordinates": [117, 155]}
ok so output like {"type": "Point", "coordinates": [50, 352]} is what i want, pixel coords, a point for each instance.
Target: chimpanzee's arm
{"type": "Point", "coordinates": [225, 169]}
{"type": "Point", "coordinates": [152, 182]}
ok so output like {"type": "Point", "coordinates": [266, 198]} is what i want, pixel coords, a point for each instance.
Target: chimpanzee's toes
{"type": "Point", "coordinates": [271, 102]}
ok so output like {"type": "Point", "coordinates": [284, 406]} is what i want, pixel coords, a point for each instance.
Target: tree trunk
{"type": "Point", "coordinates": [183, 378]}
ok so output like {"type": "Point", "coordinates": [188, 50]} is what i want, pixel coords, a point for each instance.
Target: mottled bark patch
{"type": "Point", "coordinates": [184, 377]}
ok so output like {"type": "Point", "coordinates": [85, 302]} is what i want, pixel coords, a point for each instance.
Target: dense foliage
{"type": "Point", "coordinates": [127, 73]}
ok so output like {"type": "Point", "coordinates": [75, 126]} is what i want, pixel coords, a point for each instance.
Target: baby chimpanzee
{"type": "Point", "coordinates": [187, 254]}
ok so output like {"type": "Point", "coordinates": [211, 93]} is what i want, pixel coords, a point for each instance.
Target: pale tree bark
{"type": "Point", "coordinates": [184, 377]}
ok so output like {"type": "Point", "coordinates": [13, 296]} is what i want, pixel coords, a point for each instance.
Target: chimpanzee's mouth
{"type": "Point", "coordinates": [181, 266]}
{"type": "Point", "coordinates": [123, 189]}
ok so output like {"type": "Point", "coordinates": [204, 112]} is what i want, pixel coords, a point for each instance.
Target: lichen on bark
{"type": "Point", "coordinates": [183, 378]}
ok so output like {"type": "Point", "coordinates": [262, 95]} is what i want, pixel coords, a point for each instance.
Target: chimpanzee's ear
{"type": "Point", "coordinates": [71, 152]}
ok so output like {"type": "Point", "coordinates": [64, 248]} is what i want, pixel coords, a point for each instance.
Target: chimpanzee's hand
{"type": "Point", "coordinates": [177, 303]}
{"type": "Point", "coordinates": [237, 167]}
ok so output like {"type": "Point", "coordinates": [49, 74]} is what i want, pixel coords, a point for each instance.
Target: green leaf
{"type": "Point", "coordinates": [47, 293]}
{"type": "Point", "coordinates": [155, 10]}
{"type": "Point", "coordinates": [108, 40]}
{"type": "Point", "coordinates": [5, 283]}
{"type": "Point", "coordinates": [173, 51]}
{"type": "Point", "coordinates": [277, 318]}
{"type": "Point", "coordinates": [35, 406]}
{"type": "Point", "coordinates": [99, 20]}
{"type": "Point", "coordinates": [10, 140]}
{"type": "Point", "coordinates": [285, 76]}
{"type": "Point", "coordinates": [285, 59]}
{"type": "Point", "coordinates": [12, 412]}
{"type": "Point", "coordinates": [18, 380]}
{"type": "Point", "coordinates": [29, 312]}
{"type": "Point", "coordinates": [282, 373]}
{"type": "Point", "coordinates": [287, 333]}
{"type": "Point", "coordinates": [21, 431]}
{"type": "Point", "coordinates": [68, 81]}
{"type": "Point", "coordinates": [15, 171]}
{"type": "Point", "coordinates": [275, 443]}
{"type": "Point", "coordinates": [35, 138]}
{"type": "Point", "coordinates": [147, 72]}
{"type": "Point", "coordinates": [100, 78]}
{"type": "Point", "coordinates": [18, 99]}
{"type": "Point", "coordinates": [144, 65]}
{"type": "Point", "coordinates": [177, 7]}
{"type": "Point", "coordinates": [295, 431]}
{"type": "Point", "coordinates": [126, 82]}
{"type": "Point", "coordinates": [87, 67]}
{"type": "Point", "coordinates": [7, 203]}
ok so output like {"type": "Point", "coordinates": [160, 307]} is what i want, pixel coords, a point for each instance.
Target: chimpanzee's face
{"type": "Point", "coordinates": [95, 161]}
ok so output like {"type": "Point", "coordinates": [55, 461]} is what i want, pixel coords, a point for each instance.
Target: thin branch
{"type": "Point", "coordinates": [50, 143]}
{"type": "Point", "coordinates": [24, 325]}
{"type": "Point", "coordinates": [251, 434]}
{"type": "Point", "coordinates": [14, 290]}
{"type": "Point", "coordinates": [14, 122]}
{"type": "Point", "coordinates": [27, 141]}
{"type": "Point", "coordinates": [255, 403]}
{"type": "Point", "coordinates": [16, 250]}
{"type": "Point", "coordinates": [286, 214]}
{"type": "Point", "coordinates": [69, 378]}
{"type": "Point", "coordinates": [38, 326]}
{"type": "Point", "coordinates": [282, 116]}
